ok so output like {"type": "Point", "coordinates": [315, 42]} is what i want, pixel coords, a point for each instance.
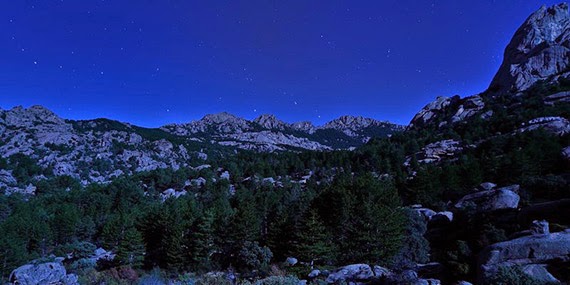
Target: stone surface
{"type": "Point", "coordinates": [437, 151]}
{"type": "Point", "coordinates": [487, 186]}
{"type": "Point", "coordinates": [539, 228]}
{"type": "Point", "coordinates": [353, 272]}
{"type": "Point", "coordinates": [431, 110]}
{"type": "Point", "coordinates": [539, 273]}
{"type": "Point", "coordinates": [291, 261]}
{"type": "Point", "coordinates": [556, 125]}
{"type": "Point", "coordinates": [314, 273]}
{"type": "Point", "coordinates": [469, 107]}
{"type": "Point", "coordinates": [44, 273]}
{"type": "Point", "coordinates": [539, 50]}
{"type": "Point", "coordinates": [100, 150]}
{"type": "Point", "coordinates": [380, 271]}
{"type": "Point", "coordinates": [271, 122]}
{"type": "Point", "coordinates": [491, 200]}
{"type": "Point", "coordinates": [527, 250]}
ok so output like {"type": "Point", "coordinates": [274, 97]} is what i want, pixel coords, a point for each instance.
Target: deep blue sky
{"type": "Point", "coordinates": [152, 62]}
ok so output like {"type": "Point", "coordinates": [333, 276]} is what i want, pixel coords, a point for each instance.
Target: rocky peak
{"type": "Point", "coordinates": [220, 118]}
{"type": "Point", "coordinates": [269, 121]}
{"type": "Point", "coordinates": [30, 117]}
{"type": "Point", "coordinates": [349, 122]}
{"type": "Point", "coordinates": [304, 126]}
{"type": "Point", "coordinates": [539, 50]}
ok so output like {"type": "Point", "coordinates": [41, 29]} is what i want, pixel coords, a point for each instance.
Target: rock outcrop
{"type": "Point", "coordinates": [431, 110]}
{"type": "Point", "coordinates": [532, 253]}
{"type": "Point", "coordinates": [101, 149]}
{"type": "Point", "coordinates": [539, 50]}
{"type": "Point", "coordinates": [43, 273]}
{"type": "Point", "coordinates": [271, 122]}
{"type": "Point", "coordinates": [469, 106]}
{"type": "Point", "coordinates": [555, 125]}
{"type": "Point", "coordinates": [491, 200]}
{"type": "Point", "coordinates": [435, 152]}
{"type": "Point", "coordinates": [351, 273]}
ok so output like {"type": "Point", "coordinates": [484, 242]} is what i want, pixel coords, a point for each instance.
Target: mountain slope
{"type": "Point", "coordinates": [537, 56]}
{"type": "Point", "coordinates": [101, 149]}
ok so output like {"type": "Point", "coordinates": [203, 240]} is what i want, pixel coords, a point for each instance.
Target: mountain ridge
{"type": "Point", "coordinates": [73, 147]}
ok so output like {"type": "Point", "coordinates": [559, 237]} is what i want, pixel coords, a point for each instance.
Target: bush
{"type": "Point", "coordinates": [154, 278]}
{"type": "Point", "coordinates": [78, 249]}
{"type": "Point", "coordinates": [253, 256]}
{"type": "Point", "coordinates": [214, 279]}
{"type": "Point", "coordinates": [514, 275]}
{"type": "Point", "coordinates": [83, 264]}
{"type": "Point", "coordinates": [278, 280]}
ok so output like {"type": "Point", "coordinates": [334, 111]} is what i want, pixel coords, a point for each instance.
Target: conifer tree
{"type": "Point", "coordinates": [314, 242]}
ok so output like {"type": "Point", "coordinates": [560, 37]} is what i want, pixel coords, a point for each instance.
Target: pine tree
{"type": "Point", "coordinates": [175, 248]}
{"type": "Point", "coordinates": [314, 242]}
{"type": "Point", "coordinates": [203, 241]}
{"type": "Point", "coordinates": [131, 248]}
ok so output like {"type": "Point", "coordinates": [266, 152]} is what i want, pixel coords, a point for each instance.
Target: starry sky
{"type": "Point", "coordinates": [153, 62]}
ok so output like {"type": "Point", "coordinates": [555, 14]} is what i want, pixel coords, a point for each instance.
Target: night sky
{"type": "Point", "coordinates": [156, 62]}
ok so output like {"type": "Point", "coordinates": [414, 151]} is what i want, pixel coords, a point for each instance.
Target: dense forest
{"type": "Point", "coordinates": [351, 207]}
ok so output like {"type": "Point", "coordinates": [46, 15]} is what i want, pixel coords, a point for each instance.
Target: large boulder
{"type": "Point", "coordinates": [539, 50]}
{"type": "Point", "coordinates": [491, 200]}
{"type": "Point", "coordinates": [528, 250]}
{"type": "Point", "coordinates": [351, 273]}
{"type": "Point", "coordinates": [43, 273]}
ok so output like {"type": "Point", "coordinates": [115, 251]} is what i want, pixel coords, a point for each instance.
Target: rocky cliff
{"type": "Point", "coordinates": [538, 53]}
{"type": "Point", "coordinates": [539, 50]}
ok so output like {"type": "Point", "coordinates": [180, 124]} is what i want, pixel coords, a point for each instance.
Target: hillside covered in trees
{"type": "Point", "coordinates": [452, 197]}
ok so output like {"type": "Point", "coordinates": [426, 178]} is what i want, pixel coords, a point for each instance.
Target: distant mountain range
{"type": "Point", "coordinates": [100, 149]}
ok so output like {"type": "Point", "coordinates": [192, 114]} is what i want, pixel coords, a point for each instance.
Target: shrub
{"type": "Point", "coordinates": [514, 275]}
{"type": "Point", "coordinates": [253, 256]}
{"type": "Point", "coordinates": [154, 278]}
{"type": "Point", "coordinates": [278, 280]}
{"type": "Point", "coordinates": [214, 279]}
